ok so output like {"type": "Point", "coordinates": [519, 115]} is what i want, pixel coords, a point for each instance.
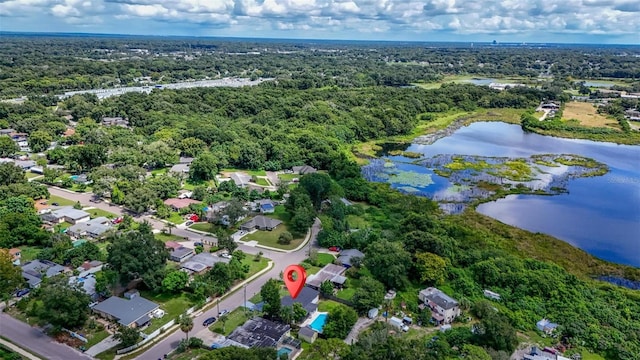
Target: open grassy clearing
{"type": "Point", "coordinates": [587, 115]}
{"type": "Point", "coordinates": [288, 177]}
{"type": "Point", "coordinates": [234, 319]}
{"type": "Point", "coordinates": [270, 238]}
{"type": "Point", "coordinates": [172, 304]}
{"type": "Point", "coordinates": [204, 226]}
{"type": "Point", "coordinates": [262, 182]}
{"type": "Point", "coordinates": [175, 218]}
{"type": "Point", "coordinates": [95, 212]}
{"type": "Point", "coordinates": [227, 172]}
{"type": "Point", "coordinates": [60, 200]}
{"type": "Point", "coordinates": [166, 237]}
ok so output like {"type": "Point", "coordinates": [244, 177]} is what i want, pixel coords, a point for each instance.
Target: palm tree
{"type": "Point", "coordinates": [170, 226]}
{"type": "Point", "coordinates": [223, 319]}
{"type": "Point", "coordinates": [186, 324]}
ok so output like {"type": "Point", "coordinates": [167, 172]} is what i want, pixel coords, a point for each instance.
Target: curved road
{"type": "Point", "coordinates": [280, 259]}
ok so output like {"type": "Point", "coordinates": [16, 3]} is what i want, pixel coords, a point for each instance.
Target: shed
{"type": "Point", "coordinates": [308, 334]}
{"type": "Point", "coordinates": [373, 313]}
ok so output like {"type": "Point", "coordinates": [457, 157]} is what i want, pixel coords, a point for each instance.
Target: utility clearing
{"type": "Point", "coordinates": [587, 115]}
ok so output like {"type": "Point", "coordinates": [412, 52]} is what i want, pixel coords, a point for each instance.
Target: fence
{"type": "Point", "coordinates": [337, 299]}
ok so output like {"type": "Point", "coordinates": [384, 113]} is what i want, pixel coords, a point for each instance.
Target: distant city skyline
{"type": "Point", "coordinates": [533, 21]}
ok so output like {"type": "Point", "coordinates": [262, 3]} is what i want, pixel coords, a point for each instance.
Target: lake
{"type": "Point", "coordinates": [600, 215]}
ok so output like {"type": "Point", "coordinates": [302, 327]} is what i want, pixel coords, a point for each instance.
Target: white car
{"type": "Point", "coordinates": [226, 256]}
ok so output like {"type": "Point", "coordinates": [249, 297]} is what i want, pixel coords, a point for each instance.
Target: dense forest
{"type": "Point", "coordinates": [31, 65]}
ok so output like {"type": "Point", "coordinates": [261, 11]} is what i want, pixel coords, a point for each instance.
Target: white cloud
{"type": "Point", "coordinates": [350, 17]}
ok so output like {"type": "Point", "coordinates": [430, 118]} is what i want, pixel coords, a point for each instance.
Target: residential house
{"type": "Point", "coordinates": [34, 271]}
{"type": "Point", "coordinates": [81, 179]}
{"type": "Point", "coordinates": [346, 202]}
{"type": "Point", "coordinates": [259, 332]}
{"type": "Point", "coordinates": [491, 295]}
{"type": "Point", "coordinates": [6, 132]}
{"type": "Point", "coordinates": [181, 254]}
{"type": "Point", "coordinates": [264, 206]}
{"type": "Point", "coordinates": [240, 179]}
{"type": "Point", "coordinates": [172, 245]}
{"type": "Point", "coordinates": [261, 223]}
{"type": "Point", "coordinates": [115, 121]}
{"type": "Point", "coordinates": [202, 262]}
{"type": "Point", "coordinates": [444, 309]}
{"type": "Point", "coordinates": [89, 267]}
{"type": "Point", "coordinates": [212, 210]}
{"type": "Point", "coordinates": [546, 326]}
{"type": "Point", "coordinates": [16, 255]}
{"type": "Point", "coordinates": [19, 137]}
{"type": "Point", "coordinates": [329, 272]}
{"type": "Point", "coordinates": [25, 164]}
{"type": "Point", "coordinates": [134, 312]}
{"type": "Point", "coordinates": [308, 298]}
{"type": "Point", "coordinates": [93, 228]}
{"type": "Point", "coordinates": [86, 284]}
{"type": "Point", "coordinates": [304, 169]}
{"type": "Point", "coordinates": [307, 334]}
{"type": "Point", "coordinates": [632, 114]}
{"type": "Point", "coordinates": [373, 313]}
{"type": "Point", "coordinates": [185, 160]}
{"type": "Point", "coordinates": [346, 257]}
{"type": "Point", "coordinates": [178, 204]}
{"type": "Point", "coordinates": [66, 214]}
{"type": "Point", "coordinates": [180, 169]}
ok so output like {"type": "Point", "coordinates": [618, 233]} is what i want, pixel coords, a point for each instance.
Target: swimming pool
{"type": "Point", "coordinates": [284, 350]}
{"type": "Point", "coordinates": [73, 177]}
{"type": "Point", "coordinates": [318, 323]}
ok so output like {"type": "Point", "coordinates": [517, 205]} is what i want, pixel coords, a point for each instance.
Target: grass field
{"type": "Point", "coordinates": [586, 114]}
{"type": "Point", "coordinates": [31, 175]}
{"type": "Point", "coordinates": [166, 237]}
{"type": "Point", "coordinates": [61, 201]}
{"type": "Point", "coordinates": [255, 266]}
{"type": "Point", "coordinates": [28, 253]}
{"type": "Point", "coordinates": [206, 227]}
{"type": "Point", "coordinates": [236, 318]}
{"type": "Point", "coordinates": [288, 177]}
{"type": "Point", "coordinates": [173, 305]}
{"type": "Point", "coordinates": [270, 238]}
{"type": "Point", "coordinates": [99, 212]}
{"type": "Point", "coordinates": [176, 218]}
{"type": "Point", "coordinates": [262, 182]}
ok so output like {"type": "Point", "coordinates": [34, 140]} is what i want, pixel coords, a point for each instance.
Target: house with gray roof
{"type": "Point", "coordinates": [66, 214]}
{"type": "Point", "coordinates": [180, 254]}
{"type": "Point", "coordinates": [346, 257]}
{"type": "Point", "coordinates": [93, 228]}
{"type": "Point", "coordinates": [134, 312]}
{"type": "Point", "coordinates": [444, 309]}
{"type": "Point", "coordinates": [330, 272]}
{"type": "Point", "coordinates": [261, 223]}
{"type": "Point", "coordinates": [202, 262]}
{"type": "Point", "coordinates": [180, 169]}
{"type": "Point", "coordinates": [304, 169]}
{"type": "Point", "coordinates": [308, 298]}
{"type": "Point", "coordinates": [34, 271]}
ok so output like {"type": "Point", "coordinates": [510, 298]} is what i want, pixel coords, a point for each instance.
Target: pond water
{"type": "Point", "coordinates": [602, 84]}
{"type": "Point", "coordinates": [600, 215]}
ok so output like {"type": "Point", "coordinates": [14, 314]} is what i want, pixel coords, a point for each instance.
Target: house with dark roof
{"type": "Point", "coordinates": [134, 312]}
{"type": "Point", "coordinates": [346, 257]}
{"type": "Point", "coordinates": [93, 228]}
{"type": "Point", "coordinates": [261, 223]}
{"type": "Point", "coordinates": [304, 169]}
{"type": "Point", "coordinates": [307, 334]}
{"type": "Point", "coordinates": [444, 309]}
{"type": "Point", "coordinates": [34, 271]}
{"type": "Point", "coordinates": [115, 121]}
{"type": "Point", "coordinates": [202, 262]}
{"type": "Point", "coordinates": [259, 332]}
{"type": "Point", "coordinates": [180, 254]}
{"type": "Point", "coordinates": [308, 298]}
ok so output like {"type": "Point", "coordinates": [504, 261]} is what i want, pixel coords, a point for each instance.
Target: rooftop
{"type": "Point", "coordinates": [306, 298]}
{"type": "Point", "coordinates": [304, 169]}
{"type": "Point", "coordinates": [207, 259]}
{"type": "Point", "coordinates": [126, 311]}
{"type": "Point", "coordinates": [259, 332]}
{"type": "Point", "coordinates": [439, 298]}
{"type": "Point", "coordinates": [70, 213]}
{"type": "Point", "coordinates": [180, 203]}
{"type": "Point", "coordinates": [346, 256]}
{"type": "Point", "coordinates": [328, 272]}
{"type": "Point", "coordinates": [262, 222]}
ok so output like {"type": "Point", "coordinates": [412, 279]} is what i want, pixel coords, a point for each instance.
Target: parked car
{"type": "Point", "coordinates": [198, 244]}
{"type": "Point", "coordinates": [223, 312]}
{"type": "Point", "coordinates": [226, 256]}
{"type": "Point", "coordinates": [55, 204]}
{"type": "Point", "coordinates": [22, 292]}
{"type": "Point", "coordinates": [95, 200]}
{"type": "Point", "coordinates": [335, 248]}
{"type": "Point", "coordinates": [117, 220]}
{"type": "Point", "coordinates": [189, 223]}
{"type": "Point", "coordinates": [209, 321]}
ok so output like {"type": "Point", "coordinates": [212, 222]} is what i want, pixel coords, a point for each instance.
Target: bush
{"type": "Point", "coordinates": [285, 238]}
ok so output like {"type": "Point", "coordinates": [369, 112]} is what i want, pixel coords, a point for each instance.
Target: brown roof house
{"type": "Point", "coordinates": [177, 204]}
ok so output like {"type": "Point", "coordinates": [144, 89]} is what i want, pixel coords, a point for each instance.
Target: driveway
{"type": "Point", "coordinates": [36, 341]}
{"type": "Point", "coordinates": [102, 346]}
{"type": "Point", "coordinates": [360, 325]}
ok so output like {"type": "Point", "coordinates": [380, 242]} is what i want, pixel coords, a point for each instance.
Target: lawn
{"type": "Point", "coordinates": [31, 175]}
{"type": "Point", "coordinates": [28, 253]}
{"type": "Point", "coordinates": [96, 338]}
{"type": "Point", "coordinates": [250, 172]}
{"type": "Point", "coordinates": [357, 222]}
{"type": "Point", "coordinates": [95, 212]}
{"type": "Point", "coordinates": [60, 200]}
{"type": "Point", "coordinates": [175, 218]}
{"type": "Point", "coordinates": [324, 259]}
{"type": "Point", "coordinates": [346, 294]}
{"type": "Point", "coordinates": [270, 238]}
{"type": "Point", "coordinates": [159, 171]}
{"type": "Point", "coordinates": [172, 304]}
{"type": "Point", "coordinates": [262, 182]}
{"type": "Point", "coordinates": [166, 237]}
{"type": "Point", "coordinates": [204, 226]}
{"type": "Point", "coordinates": [312, 270]}
{"type": "Point", "coordinates": [255, 266]}
{"type": "Point", "coordinates": [328, 305]}
{"type": "Point", "coordinates": [236, 318]}
{"type": "Point", "coordinates": [288, 177]}
{"type": "Point", "coordinates": [189, 354]}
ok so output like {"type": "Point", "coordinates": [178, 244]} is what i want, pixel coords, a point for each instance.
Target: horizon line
{"type": "Point", "coordinates": [491, 42]}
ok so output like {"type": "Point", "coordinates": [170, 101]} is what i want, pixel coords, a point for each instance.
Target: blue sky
{"type": "Point", "coordinates": [569, 21]}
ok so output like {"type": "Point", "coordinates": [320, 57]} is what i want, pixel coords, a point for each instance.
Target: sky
{"type": "Point", "coordinates": [540, 21]}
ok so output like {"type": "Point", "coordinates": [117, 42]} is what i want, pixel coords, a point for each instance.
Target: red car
{"type": "Point", "coordinates": [335, 248]}
{"type": "Point", "coordinates": [117, 220]}
{"type": "Point", "coordinates": [194, 218]}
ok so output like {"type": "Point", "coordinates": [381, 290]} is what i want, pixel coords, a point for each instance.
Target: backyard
{"type": "Point", "coordinates": [172, 304]}
{"type": "Point", "coordinates": [270, 238]}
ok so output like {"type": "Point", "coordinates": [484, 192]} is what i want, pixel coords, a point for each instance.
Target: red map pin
{"type": "Point", "coordinates": [294, 285]}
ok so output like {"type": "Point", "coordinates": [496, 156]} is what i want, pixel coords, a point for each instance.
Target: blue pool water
{"type": "Point", "coordinates": [284, 350]}
{"type": "Point", "coordinates": [73, 177]}
{"type": "Point", "coordinates": [318, 323]}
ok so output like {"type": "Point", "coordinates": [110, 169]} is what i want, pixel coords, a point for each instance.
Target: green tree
{"type": "Point", "coordinates": [302, 219]}
{"type": "Point", "coordinates": [329, 349]}
{"type": "Point", "coordinates": [10, 275]}
{"type": "Point", "coordinates": [339, 322]}
{"type": "Point", "coordinates": [11, 174]}
{"type": "Point", "coordinates": [234, 211]}
{"type": "Point", "coordinates": [430, 267]}
{"type": "Point", "coordinates": [495, 331]}
{"type": "Point", "coordinates": [318, 186]}
{"type": "Point", "coordinates": [39, 141]}
{"type": "Point", "coordinates": [299, 312]}
{"type": "Point", "coordinates": [270, 293]}
{"type": "Point", "coordinates": [192, 146]}
{"type": "Point", "coordinates": [140, 199]}
{"type": "Point", "coordinates": [226, 242]}
{"type": "Point", "coordinates": [285, 238]}
{"type": "Point", "coordinates": [368, 295]}
{"type": "Point", "coordinates": [237, 353]}
{"type": "Point", "coordinates": [175, 281]}
{"type": "Point", "coordinates": [65, 307]}
{"type": "Point", "coordinates": [472, 352]}
{"type": "Point", "coordinates": [203, 168]}
{"type": "Point", "coordinates": [7, 146]}
{"type": "Point", "coordinates": [326, 288]}
{"type": "Point", "coordinates": [286, 315]}
{"type": "Point", "coordinates": [389, 262]}
{"type": "Point", "coordinates": [127, 336]}
{"type": "Point", "coordinates": [138, 255]}
{"type": "Point", "coordinates": [186, 324]}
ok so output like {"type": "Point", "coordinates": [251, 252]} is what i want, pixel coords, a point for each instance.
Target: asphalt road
{"type": "Point", "coordinates": [235, 300]}
{"type": "Point", "coordinates": [33, 339]}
